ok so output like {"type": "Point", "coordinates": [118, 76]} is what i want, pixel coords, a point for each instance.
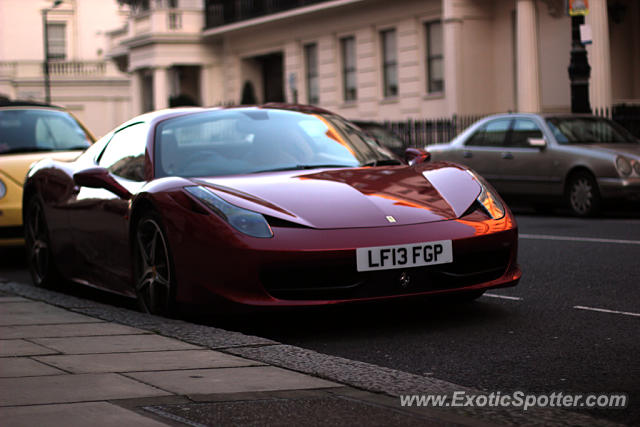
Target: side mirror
{"type": "Point", "coordinates": [99, 177]}
{"type": "Point", "coordinates": [415, 156]}
{"type": "Point", "coordinates": [537, 142]}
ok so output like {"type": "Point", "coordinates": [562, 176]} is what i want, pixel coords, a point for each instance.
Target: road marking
{"type": "Point", "coordinates": [503, 297]}
{"type": "Point", "coordinates": [578, 239]}
{"type": "Point", "coordinates": [603, 310]}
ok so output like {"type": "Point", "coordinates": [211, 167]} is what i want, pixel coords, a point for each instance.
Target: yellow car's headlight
{"type": "Point", "coordinates": [3, 189]}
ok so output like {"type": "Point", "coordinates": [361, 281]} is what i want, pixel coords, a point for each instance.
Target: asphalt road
{"type": "Point", "coordinates": [572, 325]}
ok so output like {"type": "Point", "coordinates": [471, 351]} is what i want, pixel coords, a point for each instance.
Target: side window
{"type": "Point", "coordinates": [493, 134]}
{"type": "Point", "coordinates": [496, 133]}
{"type": "Point", "coordinates": [124, 155]}
{"type": "Point", "coordinates": [477, 139]}
{"type": "Point", "coordinates": [523, 129]}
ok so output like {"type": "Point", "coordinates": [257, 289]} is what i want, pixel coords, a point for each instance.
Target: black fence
{"type": "Point", "coordinates": [421, 132]}
{"type": "Point", "coordinates": [418, 133]}
{"type": "Point", "coordinates": [626, 115]}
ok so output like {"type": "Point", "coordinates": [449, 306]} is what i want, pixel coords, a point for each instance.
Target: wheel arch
{"type": "Point", "coordinates": [575, 170]}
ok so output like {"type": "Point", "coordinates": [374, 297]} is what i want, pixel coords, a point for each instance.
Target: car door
{"type": "Point", "coordinates": [484, 149]}
{"type": "Point", "coordinates": [100, 218]}
{"type": "Point", "coordinates": [526, 169]}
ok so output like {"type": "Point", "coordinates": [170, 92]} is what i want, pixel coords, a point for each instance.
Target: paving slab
{"type": "Point", "coordinates": [72, 388]}
{"type": "Point", "coordinates": [146, 361]}
{"type": "Point", "coordinates": [114, 344]}
{"type": "Point", "coordinates": [71, 330]}
{"type": "Point", "coordinates": [22, 348]}
{"type": "Point", "coordinates": [37, 313]}
{"type": "Point", "coordinates": [94, 414]}
{"type": "Point", "coordinates": [231, 380]}
{"type": "Point", "coordinates": [24, 367]}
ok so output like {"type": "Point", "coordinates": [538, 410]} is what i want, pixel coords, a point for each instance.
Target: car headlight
{"type": "Point", "coordinates": [246, 221]}
{"type": "Point", "coordinates": [624, 166]}
{"type": "Point", "coordinates": [490, 203]}
{"type": "Point", "coordinates": [3, 189]}
{"type": "Point", "coordinates": [636, 167]}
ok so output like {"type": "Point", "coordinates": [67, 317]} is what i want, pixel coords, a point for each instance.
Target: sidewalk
{"type": "Point", "coordinates": [68, 361]}
{"type": "Point", "coordinates": [59, 367]}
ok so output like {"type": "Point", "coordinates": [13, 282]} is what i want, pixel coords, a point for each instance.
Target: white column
{"type": "Point", "coordinates": [136, 93]}
{"type": "Point", "coordinates": [600, 93]}
{"type": "Point", "coordinates": [452, 33]}
{"type": "Point", "coordinates": [160, 88]}
{"type": "Point", "coordinates": [527, 63]}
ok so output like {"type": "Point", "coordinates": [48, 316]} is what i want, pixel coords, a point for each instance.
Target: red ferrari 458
{"type": "Point", "coordinates": [277, 205]}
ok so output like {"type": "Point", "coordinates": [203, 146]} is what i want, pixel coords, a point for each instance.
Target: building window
{"type": "Point", "coordinates": [57, 40]}
{"type": "Point", "coordinates": [311, 63]}
{"type": "Point", "coordinates": [435, 57]}
{"type": "Point", "coordinates": [349, 84]}
{"type": "Point", "coordinates": [389, 63]}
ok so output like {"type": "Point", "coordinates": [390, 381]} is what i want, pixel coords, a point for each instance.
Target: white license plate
{"type": "Point", "coordinates": [403, 256]}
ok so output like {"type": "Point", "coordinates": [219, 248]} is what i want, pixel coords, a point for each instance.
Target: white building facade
{"type": "Point", "coordinates": [374, 59]}
{"type": "Point", "coordinates": [81, 77]}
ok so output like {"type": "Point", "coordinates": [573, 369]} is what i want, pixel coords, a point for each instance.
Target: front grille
{"type": "Point", "coordinates": [11, 232]}
{"type": "Point", "coordinates": [339, 280]}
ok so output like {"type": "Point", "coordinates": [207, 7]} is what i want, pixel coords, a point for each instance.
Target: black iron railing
{"type": "Point", "coordinates": [421, 132]}
{"type": "Point", "coordinates": [223, 12]}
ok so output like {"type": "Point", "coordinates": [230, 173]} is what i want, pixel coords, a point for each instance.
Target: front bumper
{"type": "Point", "coordinates": [618, 188]}
{"type": "Point", "coordinates": [11, 214]}
{"type": "Point", "coordinates": [308, 267]}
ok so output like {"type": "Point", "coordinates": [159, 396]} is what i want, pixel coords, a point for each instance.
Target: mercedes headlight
{"type": "Point", "coordinates": [624, 166]}
{"type": "Point", "coordinates": [248, 222]}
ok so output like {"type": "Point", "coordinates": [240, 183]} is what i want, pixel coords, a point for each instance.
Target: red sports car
{"type": "Point", "coordinates": [276, 205]}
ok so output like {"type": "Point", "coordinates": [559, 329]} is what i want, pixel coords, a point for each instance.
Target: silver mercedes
{"type": "Point", "coordinates": [581, 160]}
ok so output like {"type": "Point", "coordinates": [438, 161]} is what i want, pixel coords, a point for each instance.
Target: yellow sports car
{"type": "Point", "coordinates": [30, 132]}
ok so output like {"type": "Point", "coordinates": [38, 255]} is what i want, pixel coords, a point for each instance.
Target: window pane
{"type": "Point", "coordinates": [435, 61]}
{"type": "Point", "coordinates": [349, 68]}
{"type": "Point", "coordinates": [56, 41]}
{"type": "Point", "coordinates": [524, 129]}
{"type": "Point", "coordinates": [495, 132]}
{"type": "Point", "coordinates": [311, 62]}
{"type": "Point", "coordinates": [124, 155]}
{"type": "Point", "coordinates": [389, 63]}
{"type": "Point", "coordinates": [435, 38]}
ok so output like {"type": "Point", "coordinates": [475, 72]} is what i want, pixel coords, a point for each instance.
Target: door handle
{"type": "Point", "coordinates": [507, 155]}
{"type": "Point", "coordinates": [467, 154]}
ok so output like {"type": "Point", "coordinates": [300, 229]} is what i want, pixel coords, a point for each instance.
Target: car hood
{"type": "Point", "coordinates": [15, 166]}
{"type": "Point", "coordinates": [628, 149]}
{"type": "Point", "coordinates": [360, 197]}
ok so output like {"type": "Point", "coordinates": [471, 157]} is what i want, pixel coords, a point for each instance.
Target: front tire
{"type": "Point", "coordinates": [583, 195]}
{"type": "Point", "coordinates": [153, 267]}
{"type": "Point", "coordinates": [39, 255]}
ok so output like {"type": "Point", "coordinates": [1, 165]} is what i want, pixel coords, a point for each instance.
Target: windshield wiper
{"type": "Point", "coordinates": [383, 162]}
{"type": "Point", "coordinates": [303, 167]}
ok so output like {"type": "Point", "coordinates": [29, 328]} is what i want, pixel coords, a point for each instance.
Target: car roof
{"type": "Point", "coordinates": [25, 103]}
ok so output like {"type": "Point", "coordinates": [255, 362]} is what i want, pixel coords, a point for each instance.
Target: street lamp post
{"type": "Point", "coordinates": [45, 64]}
{"type": "Point", "coordinates": [579, 70]}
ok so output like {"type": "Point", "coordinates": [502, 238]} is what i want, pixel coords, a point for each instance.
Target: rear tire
{"type": "Point", "coordinates": [42, 267]}
{"type": "Point", "coordinates": [583, 195]}
{"type": "Point", "coordinates": [153, 267]}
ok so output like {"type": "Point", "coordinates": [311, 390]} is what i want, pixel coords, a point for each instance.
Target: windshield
{"type": "Point", "coordinates": [33, 130]}
{"type": "Point", "coordinates": [588, 130]}
{"type": "Point", "coordinates": [252, 140]}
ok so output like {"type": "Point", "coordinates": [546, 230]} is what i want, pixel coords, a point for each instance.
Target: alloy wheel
{"type": "Point", "coordinates": [583, 195]}
{"type": "Point", "coordinates": [153, 268]}
{"type": "Point", "coordinates": [37, 244]}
